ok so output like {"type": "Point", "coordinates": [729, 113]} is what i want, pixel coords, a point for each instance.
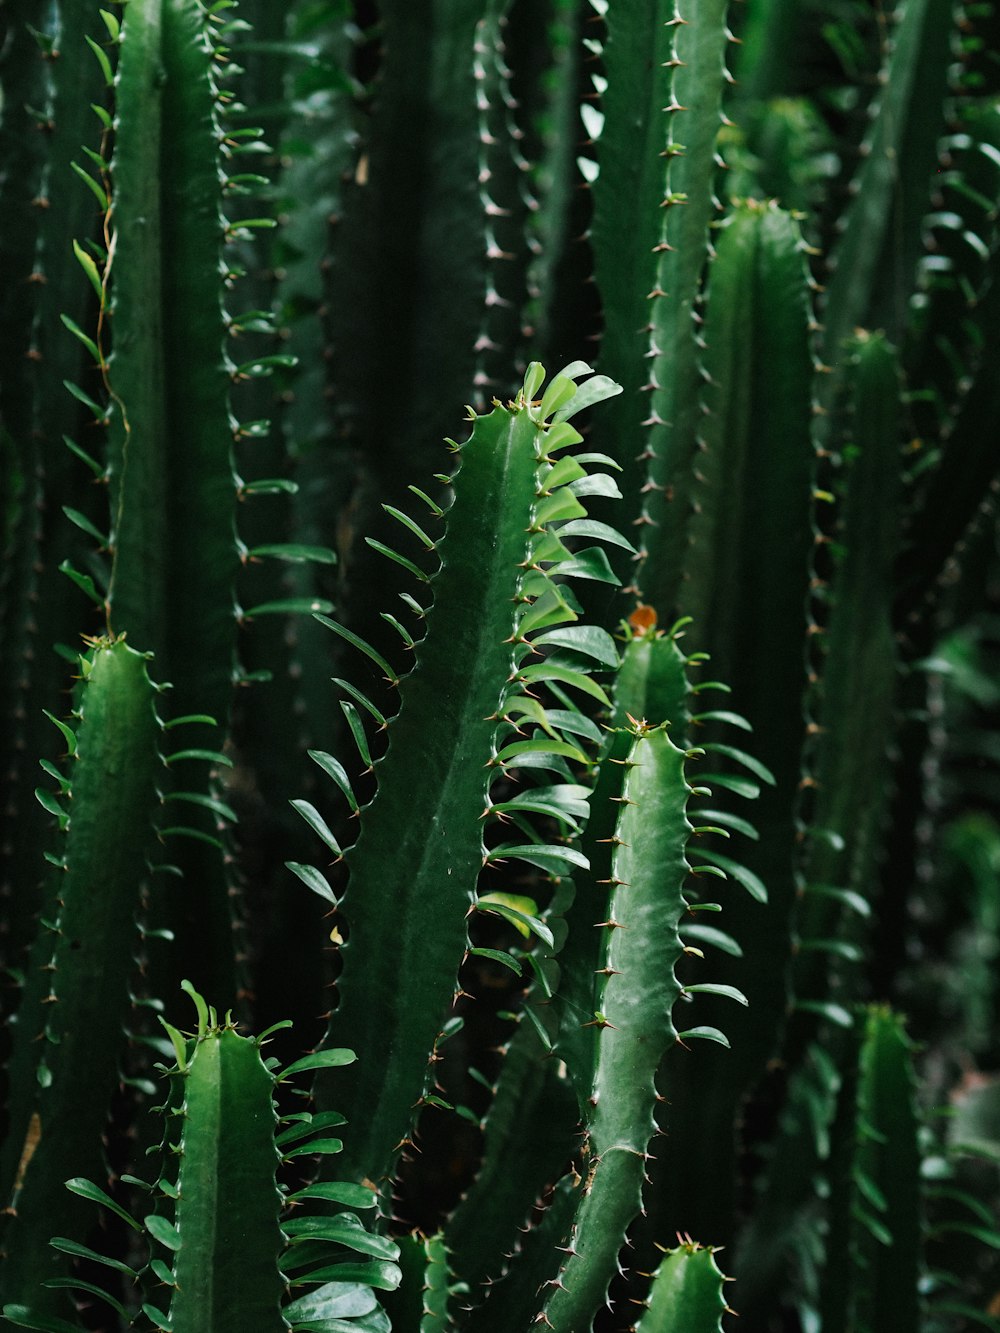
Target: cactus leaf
{"type": "Point", "coordinates": [23, 1317]}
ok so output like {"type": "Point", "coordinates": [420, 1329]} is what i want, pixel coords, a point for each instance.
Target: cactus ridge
{"type": "Point", "coordinates": [493, 610]}
{"type": "Point", "coordinates": [686, 1292]}
{"type": "Point", "coordinates": [47, 118]}
{"type": "Point", "coordinates": [634, 1018]}
{"type": "Point", "coordinates": [107, 809]}
{"type": "Point", "coordinates": [858, 680]}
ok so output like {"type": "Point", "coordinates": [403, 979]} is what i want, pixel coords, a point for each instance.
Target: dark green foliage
{"type": "Point", "coordinates": [643, 775]}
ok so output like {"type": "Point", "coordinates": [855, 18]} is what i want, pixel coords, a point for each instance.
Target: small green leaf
{"type": "Point", "coordinates": [315, 1148]}
{"type": "Point", "coordinates": [22, 1316]}
{"type": "Point", "coordinates": [435, 508]}
{"type": "Point", "coordinates": [163, 1231]}
{"type": "Point", "coordinates": [317, 823]}
{"type": "Point", "coordinates": [567, 469]}
{"type": "Point", "coordinates": [705, 1034]}
{"type": "Point", "coordinates": [296, 553]}
{"type": "Point", "coordinates": [734, 822]}
{"type": "Point", "coordinates": [591, 563]}
{"type": "Point", "coordinates": [589, 527]}
{"type": "Point", "coordinates": [197, 834]}
{"type": "Point", "coordinates": [209, 756]}
{"type": "Point", "coordinates": [302, 1126]}
{"type": "Point", "coordinates": [342, 1192]}
{"type": "Point", "coordinates": [103, 61]}
{"type": "Point", "coordinates": [357, 730]}
{"type": "Point", "coordinates": [378, 1273]}
{"type": "Point", "coordinates": [577, 724]}
{"type": "Point", "coordinates": [177, 1041]}
{"type": "Point", "coordinates": [714, 988]}
{"type": "Point", "coordinates": [836, 1013]}
{"type": "Point", "coordinates": [710, 935]}
{"type": "Point", "coordinates": [77, 332]}
{"type": "Point", "coordinates": [68, 734]}
{"type": "Point", "coordinates": [562, 504]}
{"type": "Point", "coordinates": [753, 884]}
{"type": "Point", "coordinates": [739, 786]}
{"type": "Point", "coordinates": [586, 639]}
{"type": "Point", "coordinates": [312, 879]}
{"type": "Point", "coordinates": [333, 1059]}
{"type": "Point", "coordinates": [199, 798]}
{"type": "Point", "coordinates": [74, 1284]}
{"type": "Point", "coordinates": [488, 903]}
{"type": "Point", "coordinates": [190, 718]}
{"type": "Point", "coordinates": [534, 378]}
{"type": "Point", "coordinates": [48, 802]}
{"type": "Point", "coordinates": [551, 608]}
{"type": "Point", "coordinates": [539, 745]}
{"type": "Point", "coordinates": [597, 483]}
{"type": "Point", "coordinates": [96, 189]}
{"type": "Point", "coordinates": [84, 524]}
{"type": "Point", "coordinates": [261, 367]}
{"type": "Point", "coordinates": [553, 858]}
{"type": "Point", "coordinates": [565, 676]}
{"type": "Point", "coordinates": [87, 1190]}
{"type": "Point", "coordinates": [206, 1016]}
{"type": "Point", "coordinates": [334, 769]}
{"type": "Point", "coordinates": [409, 523]}
{"type": "Point", "coordinates": [361, 645]}
{"type": "Point", "coordinates": [79, 1251]}
{"type": "Point", "coordinates": [270, 486]}
{"type": "Point", "coordinates": [498, 956]}
{"type": "Point", "coordinates": [157, 1317]}
{"type": "Point", "coordinates": [289, 606]}
{"type": "Point", "coordinates": [595, 390]}
{"type": "Point", "coordinates": [401, 630]}
{"type": "Point", "coordinates": [848, 897]}
{"type": "Point", "coordinates": [390, 554]}
{"type": "Point", "coordinates": [723, 715]}
{"type": "Point", "coordinates": [360, 698]}
{"type": "Point", "coordinates": [89, 267]}
{"type": "Point", "coordinates": [95, 467]}
{"type": "Point", "coordinates": [748, 761]}
{"type": "Point", "coordinates": [83, 581]}
{"type": "Point", "coordinates": [343, 1229]}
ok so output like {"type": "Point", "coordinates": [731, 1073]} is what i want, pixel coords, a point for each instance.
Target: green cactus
{"type": "Point", "coordinates": [494, 588]}
{"type": "Point", "coordinates": [686, 1293]}
{"type": "Point", "coordinates": [257, 258]}
{"type": "Point", "coordinates": [69, 1039]}
{"type": "Point", "coordinates": [223, 1237]}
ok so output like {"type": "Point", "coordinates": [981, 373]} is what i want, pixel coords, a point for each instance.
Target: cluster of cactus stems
{"type": "Point", "coordinates": [596, 814]}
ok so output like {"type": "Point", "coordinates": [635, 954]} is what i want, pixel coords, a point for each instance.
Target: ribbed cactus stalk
{"type": "Point", "coordinates": [50, 79]}
{"type": "Point", "coordinates": [634, 1020]}
{"type": "Point", "coordinates": [69, 1038]}
{"type": "Point", "coordinates": [495, 604]}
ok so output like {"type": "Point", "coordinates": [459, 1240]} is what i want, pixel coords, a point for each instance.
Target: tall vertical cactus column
{"type": "Point", "coordinates": [663, 72]}
{"type": "Point", "coordinates": [51, 82]}
{"type": "Point", "coordinates": [69, 1037]}
{"type": "Point", "coordinates": [168, 375]}
{"type": "Point", "coordinates": [474, 669]}
{"type": "Point", "coordinates": [747, 571]}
